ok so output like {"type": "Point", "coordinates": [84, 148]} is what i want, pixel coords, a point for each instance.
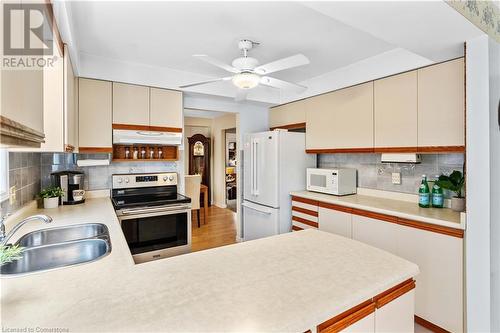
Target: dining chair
{"type": "Point", "coordinates": [192, 190]}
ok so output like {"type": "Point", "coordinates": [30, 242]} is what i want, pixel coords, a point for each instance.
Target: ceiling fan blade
{"type": "Point", "coordinates": [205, 82]}
{"type": "Point", "coordinates": [280, 84]}
{"type": "Point", "coordinates": [285, 63]}
{"type": "Point", "coordinates": [217, 63]}
{"type": "Point", "coordinates": [241, 95]}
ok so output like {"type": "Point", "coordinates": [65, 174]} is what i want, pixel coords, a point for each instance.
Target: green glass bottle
{"type": "Point", "coordinates": [437, 195]}
{"type": "Point", "coordinates": [424, 195]}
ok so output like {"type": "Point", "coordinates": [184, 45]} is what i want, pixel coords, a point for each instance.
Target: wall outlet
{"type": "Point", "coordinates": [12, 195]}
{"type": "Point", "coordinates": [396, 178]}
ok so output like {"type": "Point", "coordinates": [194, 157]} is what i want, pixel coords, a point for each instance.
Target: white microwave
{"type": "Point", "coordinates": [340, 181]}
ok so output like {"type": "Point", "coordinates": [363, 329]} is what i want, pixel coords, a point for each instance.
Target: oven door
{"type": "Point", "coordinates": [155, 233]}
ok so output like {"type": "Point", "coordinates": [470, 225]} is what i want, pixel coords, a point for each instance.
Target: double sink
{"type": "Point", "coordinates": [60, 247]}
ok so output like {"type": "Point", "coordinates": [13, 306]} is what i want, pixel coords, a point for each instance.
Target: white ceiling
{"type": "Point", "coordinates": [153, 42]}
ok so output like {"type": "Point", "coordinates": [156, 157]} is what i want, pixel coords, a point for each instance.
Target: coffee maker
{"type": "Point", "coordinates": [69, 181]}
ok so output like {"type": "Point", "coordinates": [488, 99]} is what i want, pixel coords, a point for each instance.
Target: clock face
{"type": "Point", "coordinates": [198, 149]}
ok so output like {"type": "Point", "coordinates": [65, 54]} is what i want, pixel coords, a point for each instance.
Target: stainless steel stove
{"type": "Point", "coordinates": [155, 219]}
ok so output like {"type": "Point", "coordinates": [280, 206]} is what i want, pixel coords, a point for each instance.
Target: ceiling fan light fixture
{"type": "Point", "coordinates": [246, 80]}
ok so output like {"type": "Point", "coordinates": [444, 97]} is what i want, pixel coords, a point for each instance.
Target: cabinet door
{"type": "Point", "coordinates": [397, 316]}
{"type": "Point", "coordinates": [396, 111]}
{"type": "Point", "coordinates": [130, 104]}
{"type": "Point", "coordinates": [166, 108]}
{"type": "Point", "coordinates": [380, 234]}
{"type": "Point", "coordinates": [439, 291]}
{"type": "Point", "coordinates": [22, 89]}
{"type": "Point", "coordinates": [70, 104]}
{"type": "Point", "coordinates": [364, 325]}
{"type": "Point", "coordinates": [341, 119]}
{"type": "Point", "coordinates": [288, 114]}
{"type": "Point", "coordinates": [441, 104]}
{"type": "Point", "coordinates": [95, 114]}
{"type": "Point", "coordinates": [335, 221]}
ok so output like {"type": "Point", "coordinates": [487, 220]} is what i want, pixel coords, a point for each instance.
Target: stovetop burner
{"type": "Point", "coordinates": [146, 190]}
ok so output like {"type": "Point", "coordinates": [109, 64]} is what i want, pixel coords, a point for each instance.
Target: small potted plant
{"type": "Point", "coordinates": [50, 196]}
{"type": "Point", "coordinates": [10, 253]}
{"type": "Point", "coordinates": [454, 183]}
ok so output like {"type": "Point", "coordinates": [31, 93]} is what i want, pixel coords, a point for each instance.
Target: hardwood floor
{"type": "Point", "coordinates": [219, 229]}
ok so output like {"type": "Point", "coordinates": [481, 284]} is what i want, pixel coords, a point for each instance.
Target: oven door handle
{"type": "Point", "coordinates": [154, 210]}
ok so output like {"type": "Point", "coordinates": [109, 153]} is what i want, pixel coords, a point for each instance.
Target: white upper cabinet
{"type": "Point", "coordinates": [441, 94]}
{"type": "Point", "coordinates": [130, 104]}
{"type": "Point", "coordinates": [288, 114]}
{"type": "Point", "coordinates": [342, 119]}
{"type": "Point", "coordinates": [166, 108]}
{"type": "Point", "coordinates": [95, 115]}
{"type": "Point", "coordinates": [396, 111]}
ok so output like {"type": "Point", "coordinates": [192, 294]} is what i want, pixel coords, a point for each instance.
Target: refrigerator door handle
{"type": "Point", "coordinates": [256, 170]}
{"type": "Point", "coordinates": [257, 208]}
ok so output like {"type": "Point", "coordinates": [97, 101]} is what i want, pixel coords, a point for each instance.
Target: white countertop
{"type": "Point", "coordinates": [290, 282]}
{"type": "Point", "coordinates": [403, 209]}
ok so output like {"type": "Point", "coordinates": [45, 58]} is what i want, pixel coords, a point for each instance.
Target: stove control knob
{"type": "Point", "coordinates": [171, 178]}
{"type": "Point", "coordinates": [119, 180]}
{"type": "Point", "coordinates": [165, 178]}
{"type": "Point", "coordinates": [126, 180]}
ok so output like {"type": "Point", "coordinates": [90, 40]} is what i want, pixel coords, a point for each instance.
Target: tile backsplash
{"type": "Point", "coordinates": [98, 177]}
{"type": "Point", "coordinates": [24, 174]}
{"type": "Point", "coordinates": [376, 175]}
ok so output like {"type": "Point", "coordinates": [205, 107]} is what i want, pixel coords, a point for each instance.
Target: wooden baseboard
{"type": "Point", "coordinates": [430, 326]}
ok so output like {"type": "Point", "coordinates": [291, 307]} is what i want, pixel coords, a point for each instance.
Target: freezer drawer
{"type": "Point", "coordinates": [259, 221]}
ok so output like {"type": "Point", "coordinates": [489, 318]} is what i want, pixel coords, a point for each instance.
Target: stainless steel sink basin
{"type": "Point", "coordinates": [63, 234]}
{"type": "Point", "coordinates": [58, 255]}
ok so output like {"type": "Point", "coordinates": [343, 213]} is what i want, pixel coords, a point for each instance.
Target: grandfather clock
{"type": "Point", "coordinates": [199, 159]}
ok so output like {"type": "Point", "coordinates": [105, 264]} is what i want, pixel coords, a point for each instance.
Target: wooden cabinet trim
{"type": "Point", "coordinates": [305, 200]}
{"type": "Point", "coordinates": [459, 233]}
{"type": "Point", "coordinates": [373, 215]}
{"type": "Point", "coordinates": [302, 220]}
{"type": "Point", "coordinates": [347, 318]}
{"type": "Point", "coordinates": [146, 128]}
{"type": "Point", "coordinates": [290, 126]}
{"type": "Point", "coordinates": [305, 211]}
{"type": "Point", "coordinates": [441, 149]}
{"type": "Point", "coordinates": [340, 150]}
{"type": "Point", "coordinates": [430, 326]}
{"type": "Point", "coordinates": [296, 228]}
{"type": "Point", "coordinates": [393, 293]}
{"type": "Point", "coordinates": [335, 207]}
{"type": "Point", "coordinates": [419, 150]}
{"type": "Point", "coordinates": [396, 149]}
{"type": "Point", "coordinates": [85, 150]}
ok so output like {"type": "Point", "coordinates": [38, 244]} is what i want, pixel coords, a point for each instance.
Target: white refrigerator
{"type": "Point", "coordinates": [274, 164]}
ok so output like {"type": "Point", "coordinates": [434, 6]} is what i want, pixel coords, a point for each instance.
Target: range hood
{"type": "Point", "coordinates": [147, 137]}
{"type": "Point", "coordinates": [400, 158]}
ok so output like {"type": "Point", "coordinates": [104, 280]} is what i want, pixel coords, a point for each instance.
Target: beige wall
{"type": "Point", "coordinates": [219, 125]}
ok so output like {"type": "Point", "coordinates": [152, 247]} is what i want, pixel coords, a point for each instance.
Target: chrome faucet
{"type": "Point", "coordinates": [4, 238]}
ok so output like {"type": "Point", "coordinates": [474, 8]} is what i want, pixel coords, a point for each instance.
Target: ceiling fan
{"type": "Point", "coordinates": [248, 74]}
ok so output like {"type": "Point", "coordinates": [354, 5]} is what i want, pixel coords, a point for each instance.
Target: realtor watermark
{"type": "Point", "coordinates": [28, 39]}
{"type": "Point", "coordinates": [35, 329]}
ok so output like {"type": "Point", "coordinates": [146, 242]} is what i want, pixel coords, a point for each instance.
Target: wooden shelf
{"type": "Point", "coordinates": [144, 160]}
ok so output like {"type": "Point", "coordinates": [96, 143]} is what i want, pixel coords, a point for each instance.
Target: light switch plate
{"type": "Point", "coordinates": [396, 178]}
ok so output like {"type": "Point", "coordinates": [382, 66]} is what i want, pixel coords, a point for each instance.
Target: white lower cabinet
{"type": "Point", "coordinates": [439, 296]}
{"type": "Point", "coordinates": [439, 292]}
{"type": "Point", "coordinates": [380, 234]}
{"type": "Point", "coordinates": [397, 316]}
{"type": "Point", "coordinates": [335, 221]}
{"type": "Point", "coordinates": [365, 325]}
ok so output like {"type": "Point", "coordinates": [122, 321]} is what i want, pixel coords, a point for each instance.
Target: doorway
{"type": "Point", "coordinates": [230, 168]}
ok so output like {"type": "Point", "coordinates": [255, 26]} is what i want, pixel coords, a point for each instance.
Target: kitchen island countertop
{"type": "Point", "coordinates": [290, 282]}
